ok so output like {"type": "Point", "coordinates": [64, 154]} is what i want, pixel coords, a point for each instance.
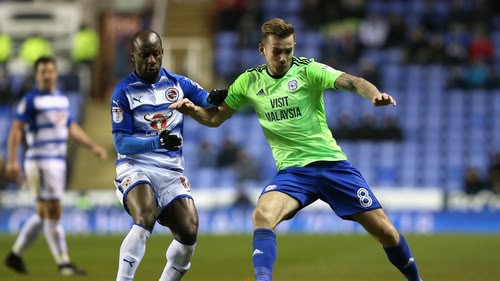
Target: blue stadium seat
{"type": "Point", "coordinates": [228, 39]}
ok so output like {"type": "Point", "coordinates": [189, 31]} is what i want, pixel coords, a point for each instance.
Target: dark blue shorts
{"type": "Point", "coordinates": [338, 184]}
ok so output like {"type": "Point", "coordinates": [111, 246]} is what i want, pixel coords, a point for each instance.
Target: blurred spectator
{"type": "Point", "coordinates": [455, 45]}
{"type": "Point", "coordinates": [34, 47]}
{"type": "Point", "coordinates": [312, 14]}
{"type": "Point", "coordinates": [368, 71]}
{"type": "Point", "coordinates": [342, 46]}
{"type": "Point", "coordinates": [6, 95]}
{"type": "Point", "coordinates": [390, 129]}
{"type": "Point", "coordinates": [228, 154]}
{"type": "Point", "coordinates": [436, 52]}
{"type": "Point", "coordinates": [85, 45]}
{"type": "Point", "coordinates": [248, 32]}
{"type": "Point", "coordinates": [477, 75]}
{"type": "Point", "coordinates": [247, 171]}
{"type": "Point", "coordinates": [481, 46]}
{"type": "Point", "coordinates": [416, 46]}
{"type": "Point", "coordinates": [228, 14]}
{"type": "Point", "coordinates": [344, 128]}
{"type": "Point", "coordinates": [373, 31]}
{"type": "Point", "coordinates": [352, 8]}
{"type": "Point", "coordinates": [367, 129]}
{"type": "Point", "coordinates": [433, 20]}
{"type": "Point", "coordinates": [459, 13]}
{"type": "Point", "coordinates": [494, 173]}
{"type": "Point", "coordinates": [5, 49]}
{"type": "Point", "coordinates": [396, 35]}
{"type": "Point", "coordinates": [473, 182]}
{"type": "Point", "coordinates": [206, 155]}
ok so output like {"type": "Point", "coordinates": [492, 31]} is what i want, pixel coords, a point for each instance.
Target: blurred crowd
{"type": "Point", "coordinates": [358, 36]}
{"type": "Point", "coordinates": [455, 33]}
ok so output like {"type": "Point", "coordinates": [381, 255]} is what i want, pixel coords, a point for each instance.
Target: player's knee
{"type": "Point", "coordinates": [388, 235]}
{"type": "Point", "coordinates": [146, 218]}
{"type": "Point", "coordinates": [188, 235]}
{"type": "Point", "coordinates": [261, 218]}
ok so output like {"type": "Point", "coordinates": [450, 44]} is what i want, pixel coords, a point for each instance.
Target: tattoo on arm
{"type": "Point", "coordinates": [356, 84]}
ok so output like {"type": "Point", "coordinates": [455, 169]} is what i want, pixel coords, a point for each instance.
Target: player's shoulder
{"type": "Point", "coordinates": [31, 95]}
{"type": "Point", "coordinates": [302, 61]}
{"type": "Point", "coordinates": [260, 69]}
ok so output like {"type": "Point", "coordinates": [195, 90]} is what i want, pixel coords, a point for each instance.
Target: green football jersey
{"type": "Point", "coordinates": [291, 111]}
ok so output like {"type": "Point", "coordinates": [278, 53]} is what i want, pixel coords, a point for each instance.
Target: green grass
{"type": "Point", "coordinates": [300, 258]}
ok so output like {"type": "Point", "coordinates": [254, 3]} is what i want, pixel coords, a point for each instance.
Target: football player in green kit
{"type": "Point", "coordinates": [287, 95]}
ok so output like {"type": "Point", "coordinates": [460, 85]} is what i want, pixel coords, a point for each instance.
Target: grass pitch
{"type": "Point", "coordinates": [300, 258]}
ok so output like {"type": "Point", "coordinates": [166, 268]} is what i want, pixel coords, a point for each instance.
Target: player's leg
{"type": "Point", "coordinates": [394, 243]}
{"type": "Point", "coordinates": [272, 208]}
{"type": "Point", "coordinates": [342, 186]}
{"type": "Point", "coordinates": [52, 180]}
{"type": "Point", "coordinates": [28, 234]}
{"type": "Point", "coordinates": [32, 227]}
{"type": "Point", "coordinates": [182, 218]}
{"type": "Point", "coordinates": [142, 207]}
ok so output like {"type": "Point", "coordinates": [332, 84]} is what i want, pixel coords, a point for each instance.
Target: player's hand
{"type": "Point", "coordinates": [169, 142]}
{"type": "Point", "coordinates": [100, 152]}
{"type": "Point", "coordinates": [184, 106]}
{"type": "Point", "coordinates": [217, 96]}
{"type": "Point", "coordinates": [383, 99]}
{"type": "Point", "coordinates": [12, 171]}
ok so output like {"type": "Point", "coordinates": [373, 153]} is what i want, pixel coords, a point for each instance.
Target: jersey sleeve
{"type": "Point", "coordinates": [194, 92]}
{"type": "Point", "coordinates": [236, 96]}
{"type": "Point", "coordinates": [25, 109]}
{"type": "Point", "coordinates": [323, 75]}
{"type": "Point", "coordinates": [121, 115]}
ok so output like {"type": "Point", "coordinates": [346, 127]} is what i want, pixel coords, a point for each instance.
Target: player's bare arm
{"type": "Point", "coordinates": [210, 117]}
{"type": "Point", "coordinates": [78, 135]}
{"type": "Point", "coordinates": [364, 88]}
{"type": "Point", "coordinates": [12, 167]}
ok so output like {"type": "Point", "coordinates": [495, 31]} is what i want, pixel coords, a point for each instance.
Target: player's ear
{"type": "Point", "coordinates": [261, 49]}
{"type": "Point", "coordinates": [132, 57]}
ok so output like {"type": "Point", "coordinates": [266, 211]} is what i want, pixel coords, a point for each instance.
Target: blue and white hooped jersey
{"type": "Point", "coordinates": [140, 109]}
{"type": "Point", "coordinates": [47, 117]}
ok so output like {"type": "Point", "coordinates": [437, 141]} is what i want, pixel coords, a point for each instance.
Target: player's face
{"type": "Point", "coordinates": [278, 53]}
{"type": "Point", "coordinates": [46, 76]}
{"type": "Point", "coordinates": [147, 58]}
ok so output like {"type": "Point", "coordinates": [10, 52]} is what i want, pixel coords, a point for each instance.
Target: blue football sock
{"type": "Point", "coordinates": [401, 257]}
{"type": "Point", "coordinates": [264, 253]}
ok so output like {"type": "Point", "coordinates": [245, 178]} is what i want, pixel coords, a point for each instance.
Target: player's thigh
{"type": "Point", "coordinates": [46, 178]}
{"type": "Point", "coordinates": [181, 217]}
{"type": "Point", "coordinates": [274, 207]}
{"type": "Point", "coordinates": [49, 209]}
{"type": "Point", "coordinates": [378, 225]}
{"type": "Point", "coordinates": [141, 204]}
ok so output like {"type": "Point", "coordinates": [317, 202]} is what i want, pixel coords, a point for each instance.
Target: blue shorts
{"type": "Point", "coordinates": [338, 184]}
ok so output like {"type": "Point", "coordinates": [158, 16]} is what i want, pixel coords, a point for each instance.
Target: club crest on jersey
{"type": "Point", "coordinates": [172, 94]}
{"type": "Point", "coordinates": [293, 85]}
{"type": "Point", "coordinates": [117, 114]}
{"type": "Point", "coordinates": [158, 120]}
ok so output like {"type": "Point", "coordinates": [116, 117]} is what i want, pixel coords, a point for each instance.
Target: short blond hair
{"type": "Point", "coordinates": [278, 27]}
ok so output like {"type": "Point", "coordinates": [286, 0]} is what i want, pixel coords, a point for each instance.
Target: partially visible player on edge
{"type": "Point", "coordinates": [287, 95]}
{"type": "Point", "coordinates": [147, 135]}
{"type": "Point", "coordinates": [44, 117]}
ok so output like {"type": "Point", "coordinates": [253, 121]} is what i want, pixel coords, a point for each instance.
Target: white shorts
{"type": "Point", "coordinates": [46, 178]}
{"type": "Point", "coordinates": [168, 185]}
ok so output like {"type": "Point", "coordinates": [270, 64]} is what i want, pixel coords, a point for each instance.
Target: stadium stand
{"type": "Point", "coordinates": [445, 130]}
